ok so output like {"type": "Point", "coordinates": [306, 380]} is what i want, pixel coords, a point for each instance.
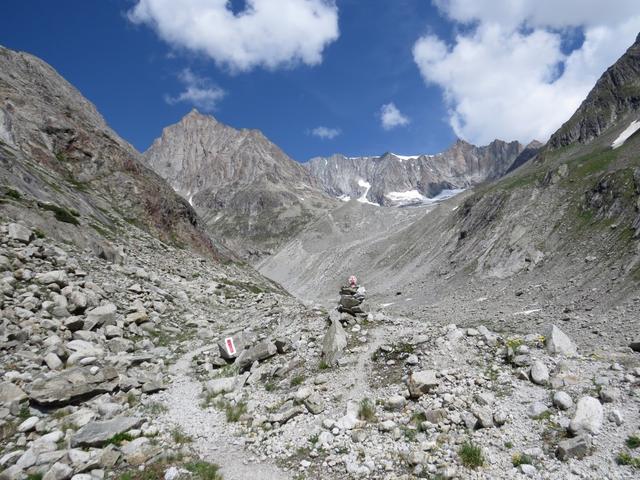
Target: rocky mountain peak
{"type": "Point", "coordinates": [613, 100]}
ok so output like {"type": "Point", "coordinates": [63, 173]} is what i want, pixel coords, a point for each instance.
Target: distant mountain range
{"type": "Point", "coordinates": [392, 179]}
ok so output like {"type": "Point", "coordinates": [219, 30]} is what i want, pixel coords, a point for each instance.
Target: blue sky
{"type": "Point", "coordinates": [424, 57]}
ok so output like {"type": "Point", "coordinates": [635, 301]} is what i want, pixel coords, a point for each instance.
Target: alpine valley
{"type": "Point", "coordinates": [186, 313]}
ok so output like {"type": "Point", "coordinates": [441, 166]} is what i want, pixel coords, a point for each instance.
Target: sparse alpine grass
{"type": "Point", "coordinates": [471, 455]}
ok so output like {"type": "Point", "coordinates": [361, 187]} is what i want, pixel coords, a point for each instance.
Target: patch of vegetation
{"type": "Point", "coordinates": [204, 470]}
{"type": "Point", "coordinates": [35, 476]}
{"type": "Point", "coordinates": [632, 442]}
{"type": "Point", "coordinates": [132, 400]}
{"type": "Point", "coordinates": [508, 445]}
{"type": "Point", "coordinates": [118, 438]}
{"type": "Point", "coordinates": [11, 193]}
{"type": "Point", "coordinates": [313, 439]}
{"type": "Point", "coordinates": [471, 455]}
{"type": "Point", "coordinates": [297, 380]}
{"type": "Point", "coordinates": [323, 365]}
{"type": "Point", "coordinates": [178, 436]}
{"type": "Point", "coordinates": [39, 233]}
{"type": "Point", "coordinates": [521, 459]}
{"type": "Point", "coordinates": [624, 458]}
{"type": "Point", "coordinates": [24, 412]}
{"type": "Point", "coordinates": [61, 157]}
{"type": "Point", "coordinates": [514, 343]}
{"type": "Point", "coordinates": [410, 433]}
{"type": "Point", "coordinates": [231, 411]}
{"type": "Point", "coordinates": [60, 213]}
{"type": "Point", "coordinates": [546, 415]}
{"type": "Point", "coordinates": [270, 386]}
{"type": "Point", "coordinates": [367, 411]}
{"type": "Point", "coordinates": [405, 347]}
{"type": "Point", "coordinates": [156, 408]}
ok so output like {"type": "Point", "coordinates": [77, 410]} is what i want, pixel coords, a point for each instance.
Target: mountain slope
{"type": "Point", "coordinates": [250, 193]}
{"type": "Point", "coordinates": [64, 169]}
{"type": "Point", "coordinates": [560, 230]}
{"type": "Point", "coordinates": [390, 176]}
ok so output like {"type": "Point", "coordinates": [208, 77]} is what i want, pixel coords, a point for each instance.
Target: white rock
{"type": "Point", "coordinates": [588, 417]}
{"type": "Point", "coordinates": [29, 424]}
{"type": "Point", "coordinates": [558, 342]}
{"type": "Point", "coordinates": [539, 373]}
{"type": "Point", "coordinates": [562, 400]}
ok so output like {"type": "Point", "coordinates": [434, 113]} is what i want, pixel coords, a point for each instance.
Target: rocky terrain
{"type": "Point", "coordinates": [250, 194]}
{"type": "Point", "coordinates": [493, 335]}
{"type": "Point", "coordinates": [393, 179]}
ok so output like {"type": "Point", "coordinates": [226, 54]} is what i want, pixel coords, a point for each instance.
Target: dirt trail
{"type": "Point", "coordinates": [213, 438]}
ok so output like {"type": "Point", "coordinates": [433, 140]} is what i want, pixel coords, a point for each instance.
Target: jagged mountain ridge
{"type": "Point", "coordinates": [386, 179]}
{"type": "Point", "coordinates": [58, 154]}
{"type": "Point", "coordinates": [615, 97]}
{"type": "Point", "coordinates": [250, 193]}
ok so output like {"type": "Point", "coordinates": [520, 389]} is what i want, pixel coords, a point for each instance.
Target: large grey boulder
{"type": "Point", "coordinates": [539, 373]}
{"type": "Point", "coordinates": [577, 447]}
{"type": "Point", "coordinates": [241, 341]}
{"type": "Point", "coordinates": [10, 393]}
{"type": "Point", "coordinates": [19, 233]}
{"type": "Point", "coordinates": [421, 382]}
{"type": "Point", "coordinates": [557, 342]}
{"type": "Point", "coordinates": [257, 353]}
{"type": "Point", "coordinates": [58, 277]}
{"type": "Point", "coordinates": [588, 417]}
{"type": "Point", "coordinates": [73, 384]}
{"type": "Point", "coordinates": [334, 343]}
{"type": "Point", "coordinates": [102, 315]}
{"type": "Point", "coordinates": [96, 434]}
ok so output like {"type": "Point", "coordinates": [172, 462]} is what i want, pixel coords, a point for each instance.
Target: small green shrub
{"type": "Point", "coordinates": [297, 380]}
{"type": "Point", "coordinates": [270, 386]}
{"type": "Point", "coordinates": [24, 412]}
{"type": "Point", "coordinates": [61, 214]}
{"type": "Point", "coordinates": [471, 455]}
{"type": "Point", "coordinates": [232, 412]}
{"type": "Point", "coordinates": [180, 437]}
{"type": "Point", "coordinates": [118, 438]}
{"type": "Point", "coordinates": [632, 442]}
{"type": "Point", "coordinates": [521, 459]}
{"type": "Point", "coordinates": [11, 193]}
{"type": "Point", "coordinates": [204, 470]}
{"type": "Point", "coordinates": [323, 365]}
{"type": "Point", "coordinates": [367, 410]}
{"type": "Point", "coordinates": [625, 458]}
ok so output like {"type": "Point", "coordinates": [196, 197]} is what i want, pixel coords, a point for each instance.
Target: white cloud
{"type": "Point", "coordinates": [326, 133]}
{"type": "Point", "coordinates": [199, 91]}
{"type": "Point", "coordinates": [506, 75]}
{"type": "Point", "coordinates": [391, 117]}
{"type": "Point", "coordinates": [268, 33]}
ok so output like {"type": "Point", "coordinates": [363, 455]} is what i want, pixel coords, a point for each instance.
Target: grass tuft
{"type": "Point", "coordinates": [367, 410]}
{"type": "Point", "coordinates": [471, 455]}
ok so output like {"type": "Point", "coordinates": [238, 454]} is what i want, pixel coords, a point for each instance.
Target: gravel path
{"type": "Point", "coordinates": [213, 438]}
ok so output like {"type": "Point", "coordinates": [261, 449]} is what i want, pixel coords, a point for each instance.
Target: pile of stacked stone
{"type": "Point", "coordinates": [351, 298]}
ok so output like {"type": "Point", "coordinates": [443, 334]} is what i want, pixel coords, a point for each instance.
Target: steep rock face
{"type": "Point", "coordinates": [251, 194]}
{"type": "Point", "coordinates": [615, 96]}
{"type": "Point", "coordinates": [384, 180]}
{"type": "Point", "coordinates": [58, 154]}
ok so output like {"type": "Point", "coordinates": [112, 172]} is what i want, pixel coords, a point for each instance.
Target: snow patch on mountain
{"type": "Point", "coordinates": [363, 199]}
{"type": "Point", "coordinates": [624, 136]}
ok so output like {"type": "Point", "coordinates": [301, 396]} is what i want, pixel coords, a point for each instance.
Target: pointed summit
{"type": "Point", "coordinates": [615, 96]}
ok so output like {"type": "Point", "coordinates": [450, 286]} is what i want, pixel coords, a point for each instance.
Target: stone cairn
{"type": "Point", "coordinates": [350, 305]}
{"type": "Point", "coordinates": [349, 312]}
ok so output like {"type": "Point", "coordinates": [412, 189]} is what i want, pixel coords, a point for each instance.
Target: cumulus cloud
{"type": "Point", "coordinates": [391, 117]}
{"type": "Point", "coordinates": [199, 91]}
{"type": "Point", "coordinates": [267, 33]}
{"type": "Point", "coordinates": [507, 74]}
{"type": "Point", "coordinates": [326, 133]}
